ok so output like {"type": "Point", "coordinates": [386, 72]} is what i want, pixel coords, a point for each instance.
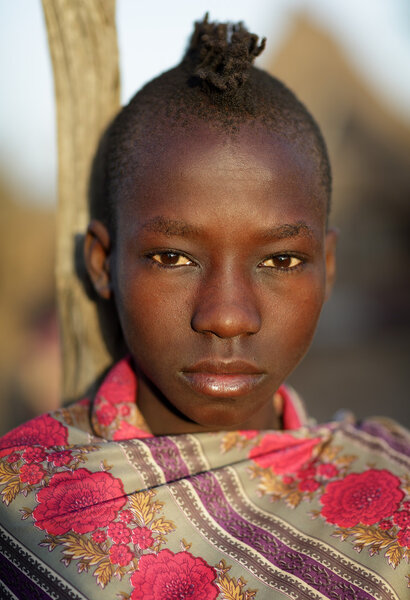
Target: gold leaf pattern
{"type": "Point", "coordinates": [6, 473]}
{"type": "Point", "coordinates": [345, 460]}
{"type": "Point", "coordinates": [230, 589]}
{"type": "Point", "coordinates": [330, 452]}
{"type": "Point", "coordinates": [81, 547]}
{"type": "Point", "coordinates": [229, 441]}
{"type": "Point", "coordinates": [103, 572]}
{"type": "Point", "coordinates": [293, 499]}
{"type": "Point", "coordinates": [11, 490]}
{"type": "Point", "coordinates": [394, 554]}
{"type": "Point", "coordinates": [272, 484]}
{"type": "Point", "coordinates": [162, 525]}
{"type": "Point", "coordinates": [371, 536]}
{"type": "Point", "coordinates": [142, 507]}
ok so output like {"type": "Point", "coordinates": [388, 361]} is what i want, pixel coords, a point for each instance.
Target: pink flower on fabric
{"type": "Point", "coordinates": [31, 473]}
{"type": "Point", "coordinates": [385, 524]}
{"type": "Point", "coordinates": [80, 501]}
{"type": "Point", "coordinates": [363, 498]}
{"type": "Point", "coordinates": [34, 455]}
{"type": "Point", "coordinates": [283, 452]}
{"type": "Point", "coordinates": [402, 518]}
{"type": "Point", "coordinates": [306, 472]}
{"type": "Point", "coordinates": [120, 385]}
{"type": "Point", "coordinates": [142, 536]}
{"type": "Point", "coordinates": [166, 575]}
{"type": "Point", "coordinates": [119, 532]}
{"type": "Point", "coordinates": [126, 516]}
{"type": "Point", "coordinates": [308, 485]}
{"type": "Point", "coordinates": [121, 555]}
{"type": "Point", "coordinates": [126, 431]}
{"type": "Point", "coordinates": [106, 414]}
{"type": "Point", "coordinates": [125, 410]}
{"type": "Point", "coordinates": [99, 536]}
{"type": "Point", "coordinates": [12, 458]}
{"type": "Point", "coordinates": [327, 471]}
{"type": "Point", "coordinates": [60, 458]}
{"type": "Point", "coordinates": [403, 537]}
{"type": "Point", "coordinates": [42, 431]}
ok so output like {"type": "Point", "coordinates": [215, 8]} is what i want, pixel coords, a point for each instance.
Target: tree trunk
{"type": "Point", "coordinates": [83, 47]}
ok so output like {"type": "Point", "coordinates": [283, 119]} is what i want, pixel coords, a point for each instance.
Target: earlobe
{"type": "Point", "coordinates": [97, 246]}
{"type": "Point", "coordinates": [332, 236]}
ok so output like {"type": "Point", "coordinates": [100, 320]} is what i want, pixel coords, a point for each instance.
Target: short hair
{"type": "Point", "coordinates": [216, 83]}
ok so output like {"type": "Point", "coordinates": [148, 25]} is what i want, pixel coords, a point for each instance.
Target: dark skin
{"type": "Point", "coordinates": [220, 267]}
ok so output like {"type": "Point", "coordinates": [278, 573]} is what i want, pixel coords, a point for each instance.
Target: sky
{"type": "Point", "coordinates": [152, 36]}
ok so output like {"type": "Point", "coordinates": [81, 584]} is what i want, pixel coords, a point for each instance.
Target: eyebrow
{"type": "Point", "coordinates": [288, 230]}
{"type": "Point", "coordinates": [174, 227]}
{"type": "Point", "coordinates": [169, 227]}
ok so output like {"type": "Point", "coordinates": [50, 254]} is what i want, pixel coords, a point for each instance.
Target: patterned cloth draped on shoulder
{"type": "Point", "coordinates": [94, 506]}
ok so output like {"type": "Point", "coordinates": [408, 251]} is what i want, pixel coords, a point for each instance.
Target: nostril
{"type": "Point", "coordinates": [226, 320]}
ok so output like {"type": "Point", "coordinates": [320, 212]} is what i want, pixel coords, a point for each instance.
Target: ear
{"type": "Point", "coordinates": [97, 246]}
{"type": "Point", "coordinates": [332, 236]}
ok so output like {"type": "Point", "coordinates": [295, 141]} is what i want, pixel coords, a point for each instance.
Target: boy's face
{"type": "Point", "coordinates": [219, 270]}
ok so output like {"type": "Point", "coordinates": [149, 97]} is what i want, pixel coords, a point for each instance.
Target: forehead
{"type": "Point", "coordinates": [201, 169]}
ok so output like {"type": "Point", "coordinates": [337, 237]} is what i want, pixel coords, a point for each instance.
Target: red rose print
{"type": "Point", "coordinates": [106, 414]}
{"type": "Point", "coordinates": [42, 431]}
{"type": "Point", "coordinates": [126, 431]}
{"type": "Point", "coordinates": [167, 575]}
{"type": "Point", "coordinates": [327, 470]}
{"type": "Point", "coordinates": [283, 453]}
{"type": "Point", "coordinates": [99, 536]}
{"type": "Point", "coordinates": [142, 536]}
{"type": "Point", "coordinates": [80, 501]}
{"type": "Point", "coordinates": [121, 555]}
{"type": "Point", "coordinates": [60, 458]}
{"type": "Point", "coordinates": [34, 455]}
{"type": "Point", "coordinates": [403, 537]}
{"type": "Point", "coordinates": [308, 485]}
{"type": "Point", "coordinates": [402, 518]}
{"type": "Point", "coordinates": [363, 498]}
{"type": "Point", "coordinates": [31, 474]}
{"type": "Point", "coordinates": [119, 532]}
{"type": "Point", "coordinates": [288, 479]}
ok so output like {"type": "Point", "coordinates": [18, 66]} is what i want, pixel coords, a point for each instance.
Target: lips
{"type": "Point", "coordinates": [223, 379]}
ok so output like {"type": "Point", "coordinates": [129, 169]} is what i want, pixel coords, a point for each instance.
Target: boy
{"type": "Point", "coordinates": [181, 479]}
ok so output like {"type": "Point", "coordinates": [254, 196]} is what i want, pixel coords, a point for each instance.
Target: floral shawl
{"type": "Point", "coordinates": [93, 506]}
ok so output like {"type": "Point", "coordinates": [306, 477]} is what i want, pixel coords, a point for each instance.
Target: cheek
{"type": "Point", "coordinates": [294, 314]}
{"type": "Point", "coordinates": [151, 316]}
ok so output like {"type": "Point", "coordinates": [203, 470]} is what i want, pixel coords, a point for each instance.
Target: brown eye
{"type": "Point", "coordinates": [171, 259]}
{"type": "Point", "coordinates": [282, 261]}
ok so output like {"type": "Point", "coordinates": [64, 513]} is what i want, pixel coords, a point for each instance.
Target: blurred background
{"type": "Point", "coordinates": [349, 63]}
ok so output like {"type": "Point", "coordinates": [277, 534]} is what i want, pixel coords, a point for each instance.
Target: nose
{"type": "Point", "coordinates": [226, 307]}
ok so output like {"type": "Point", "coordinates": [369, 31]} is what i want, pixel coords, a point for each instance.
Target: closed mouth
{"type": "Point", "coordinates": [223, 379]}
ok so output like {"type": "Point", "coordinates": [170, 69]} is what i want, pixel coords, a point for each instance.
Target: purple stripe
{"type": "Point", "coordinates": [279, 554]}
{"type": "Point", "coordinates": [18, 583]}
{"type": "Point", "coordinates": [379, 432]}
{"type": "Point", "coordinates": [168, 457]}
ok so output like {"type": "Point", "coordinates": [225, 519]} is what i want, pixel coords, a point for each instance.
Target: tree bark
{"type": "Point", "coordinates": [83, 46]}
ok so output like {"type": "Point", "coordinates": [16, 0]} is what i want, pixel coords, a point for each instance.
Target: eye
{"type": "Point", "coordinates": [283, 262]}
{"type": "Point", "coordinates": [171, 259]}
